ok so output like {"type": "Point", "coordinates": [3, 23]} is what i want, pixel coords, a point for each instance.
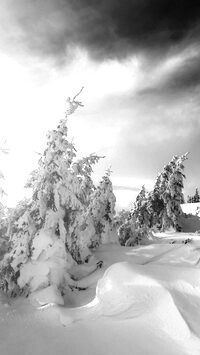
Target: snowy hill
{"type": "Point", "coordinates": [145, 300]}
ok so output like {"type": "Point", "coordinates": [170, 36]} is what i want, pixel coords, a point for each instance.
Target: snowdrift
{"type": "Point", "coordinates": [162, 293]}
{"type": "Point", "coordinates": [146, 300]}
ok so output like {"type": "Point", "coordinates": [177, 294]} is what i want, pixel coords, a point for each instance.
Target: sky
{"type": "Point", "coordinates": [139, 63]}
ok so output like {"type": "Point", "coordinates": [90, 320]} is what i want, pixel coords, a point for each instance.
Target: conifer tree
{"type": "Point", "coordinates": [172, 195]}
{"type": "Point", "coordinates": [102, 210]}
{"type": "Point", "coordinates": [54, 230]}
{"type": "Point", "coordinates": [196, 195]}
{"type": "Point", "coordinates": [140, 210]}
{"type": "Point", "coordinates": [127, 231]}
{"type": "Point", "coordinates": [155, 204]}
{"type": "Point", "coordinates": [135, 228]}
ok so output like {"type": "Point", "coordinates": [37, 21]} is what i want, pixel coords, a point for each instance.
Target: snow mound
{"type": "Point", "coordinates": [123, 289]}
{"type": "Point", "coordinates": [126, 292]}
{"type": "Point", "coordinates": [145, 303]}
{"type": "Point", "coordinates": [46, 296]}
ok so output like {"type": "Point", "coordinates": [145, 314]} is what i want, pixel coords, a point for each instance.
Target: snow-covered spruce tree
{"type": "Point", "coordinates": [196, 195]}
{"type": "Point", "coordinates": [55, 229]}
{"type": "Point", "coordinates": [135, 228]}
{"type": "Point", "coordinates": [140, 220]}
{"type": "Point", "coordinates": [123, 227]}
{"type": "Point", "coordinates": [102, 210]}
{"type": "Point", "coordinates": [159, 208]}
{"type": "Point", "coordinates": [126, 230]}
{"type": "Point", "coordinates": [155, 205]}
{"type": "Point", "coordinates": [140, 210]}
{"type": "Point", "coordinates": [21, 228]}
{"type": "Point", "coordinates": [194, 198]}
{"type": "Point", "coordinates": [171, 192]}
{"type": "Point", "coordinates": [121, 217]}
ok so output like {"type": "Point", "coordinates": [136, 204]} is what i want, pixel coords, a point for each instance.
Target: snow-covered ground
{"type": "Point", "coordinates": [190, 208]}
{"type": "Point", "coordinates": [147, 301]}
{"type": "Point", "coordinates": [143, 301]}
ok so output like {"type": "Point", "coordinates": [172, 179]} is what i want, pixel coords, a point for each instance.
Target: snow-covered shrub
{"type": "Point", "coordinates": [139, 236]}
{"type": "Point", "coordinates": [121, 217]}
{"type": "Point", "coordinates": [8, 277]}
{"type": "Point", "coordinates": [130, 234]}
{"type": "Point", "coordinates": [126, 231]}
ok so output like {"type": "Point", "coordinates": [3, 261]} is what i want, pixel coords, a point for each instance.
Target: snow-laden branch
{"type": "Point", "coordinates": [73, 104]}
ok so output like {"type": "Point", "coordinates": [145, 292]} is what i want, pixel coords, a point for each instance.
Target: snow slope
{"type": "Point", "coordinates": [145, 300]}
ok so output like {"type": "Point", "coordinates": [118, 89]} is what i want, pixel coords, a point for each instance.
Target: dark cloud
{"type": "Point", "coordinates": [184, 79]}
{"type": "Point", "coordinates": [107, 28]}
{"type": "Point", "coordinates": [187, 76]}
{"type": "Point", "coordinates": [154, 132]}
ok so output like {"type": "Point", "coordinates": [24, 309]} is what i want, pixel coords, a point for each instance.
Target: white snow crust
{"type": "Point", "coordinates": [145, 300]}
{"type": "Point", "coordinates": [190, 208]}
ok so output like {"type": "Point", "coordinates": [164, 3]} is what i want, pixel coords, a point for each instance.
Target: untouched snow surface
{"type": "Point", "coordinates": [145, 300]}
{"type": "Point", "coordinates": [190, 208]}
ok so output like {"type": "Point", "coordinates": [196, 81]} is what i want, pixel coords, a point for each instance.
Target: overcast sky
{"type": "Point", "coordinates": [139, 61]}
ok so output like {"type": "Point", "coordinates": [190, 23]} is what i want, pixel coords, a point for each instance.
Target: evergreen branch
{"type": "Point", "coordinates": [4, 150]}
{"type": "Point", "coordinates": [78, 93]}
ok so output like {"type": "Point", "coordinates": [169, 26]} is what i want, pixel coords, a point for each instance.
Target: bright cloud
{"type": "Point", "coordinates": [141, 84]}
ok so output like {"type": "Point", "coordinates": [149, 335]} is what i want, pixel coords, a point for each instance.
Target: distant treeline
{"type": "Point", "coordinates": [194, 198]}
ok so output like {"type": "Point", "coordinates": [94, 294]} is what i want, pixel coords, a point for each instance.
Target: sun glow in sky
{"type": "Point", "coordinates": [141, 87]}
{"type": "Point", "coordinates": [34, 99]}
